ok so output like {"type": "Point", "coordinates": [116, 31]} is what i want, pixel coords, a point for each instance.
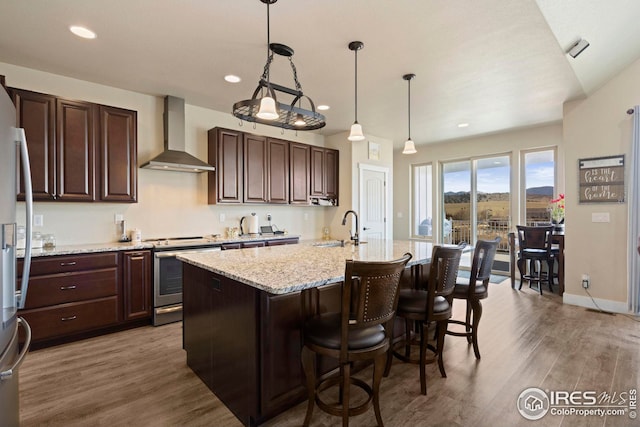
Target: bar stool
{"type": "Point", "coordinates": [475, 289]}
{"type": "Point", "coordinates": [425, 306]}
{"type": "Point", "coordinates": [361, 331]}
{"type": "Point", "coordinates": [535, 249]}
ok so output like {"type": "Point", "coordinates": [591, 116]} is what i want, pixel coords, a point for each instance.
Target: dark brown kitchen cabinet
{"type": "Point", "coordinates": [118, 155]}
{"type": "Point", "coordinates": [36, 114]}
{"type": "Point", "coordinates": [324, 173]}
{"type": "Point", "coordinates": [226, 184]}
{"type": "Point", "coordinates": [278, 171]}
{"type": "Point", "coordinates": [136, 273]}
{"type": "Point", "coordinates": [255, 169]}
{"type": "Point", "coordinates": [79, 151]}
{"type": "Point", "coordinates": [299, 159]}
{"type": "Point", "coordinates": [71, 297]}
{"type": "Point", "coordinates": [332, 161]}
{"type": "Point", "coordinates": [75, 150]}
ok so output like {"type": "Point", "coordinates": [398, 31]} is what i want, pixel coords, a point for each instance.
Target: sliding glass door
{"type": "Point", "coordinates": [476, 199]}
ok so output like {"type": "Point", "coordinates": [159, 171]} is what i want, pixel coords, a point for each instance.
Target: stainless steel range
{"type": "Point", "coordinates": [167, 274]}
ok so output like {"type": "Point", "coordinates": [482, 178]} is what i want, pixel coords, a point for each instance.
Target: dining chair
{"type": "Point", "coordinates": [362, 330]}
{"type": "Point", "coordinates": [427, 305]}
{"type": "Point", "coordinates": [535, 248]}
{"type": "Point", "coordinates": [474, 289]}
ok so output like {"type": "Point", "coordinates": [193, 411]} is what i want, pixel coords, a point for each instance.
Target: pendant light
{"type": "Point", "coordinates": [409, 146]}
{"type": "Point", "coordinates": [264, 107]}
{"type": "Point", "coordinates": [356, 129]}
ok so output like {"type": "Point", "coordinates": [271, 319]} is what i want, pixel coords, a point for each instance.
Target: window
{"type": "Point", "coordinates": [539, 184]}
{"type": "Point", "coordinates": [422, 201]}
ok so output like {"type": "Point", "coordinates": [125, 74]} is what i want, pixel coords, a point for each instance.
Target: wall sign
{"type": "Point", "coordinates": [602, 179]}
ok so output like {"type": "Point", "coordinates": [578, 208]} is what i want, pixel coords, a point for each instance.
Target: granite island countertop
{"type": "Point", "coordinates": [291, 268]}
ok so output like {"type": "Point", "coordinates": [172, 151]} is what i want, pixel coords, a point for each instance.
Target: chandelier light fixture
{"type": "Point", "coordinates": [409, 146]}
{"type": "Point", "coordinates": [264, 107]}
{"type": "Point", "coordinates": [356, 129]}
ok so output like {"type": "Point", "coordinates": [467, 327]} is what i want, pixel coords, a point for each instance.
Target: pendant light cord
{"type": "Point", "coordinates": [356, 51]}
{"type": "Point", "coordinates": [409, 107]}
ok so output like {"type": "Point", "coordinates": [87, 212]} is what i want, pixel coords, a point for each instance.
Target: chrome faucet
{"type": "Point", "coordinates": [354, 237]}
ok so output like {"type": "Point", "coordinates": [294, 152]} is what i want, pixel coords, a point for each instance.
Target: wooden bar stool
{"type": "Point", "coordinates": [361, 331]}
{"type": "Point", "coordinates": [426, 306]}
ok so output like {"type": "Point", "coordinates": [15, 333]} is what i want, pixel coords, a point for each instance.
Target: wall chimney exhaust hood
{"type": "Point", "coordinates": [174, 157]}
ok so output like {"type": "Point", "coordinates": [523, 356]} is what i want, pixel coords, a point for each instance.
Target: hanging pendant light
{"type": "Point", "coordinates": [264, 108]}
{"type": "Point", "coordinates": [409, 146]}
{"type": "Point", "coordinates": [356, 129]}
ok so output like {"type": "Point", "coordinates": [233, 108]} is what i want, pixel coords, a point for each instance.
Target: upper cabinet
{"type": "Point", "coordinates": [324, 173]}
{"type": "Point", "coordinates": [257, 169]}
{"type": "Point", "coordinates": [78, 151]}
{"type": "Point", "coordinates": [299, 173]}
{"type": "Point", "coordinates": [118, 154]}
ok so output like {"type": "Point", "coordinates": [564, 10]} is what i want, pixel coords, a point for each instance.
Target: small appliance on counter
{"type": "Point", "coordinates": [249, 225]}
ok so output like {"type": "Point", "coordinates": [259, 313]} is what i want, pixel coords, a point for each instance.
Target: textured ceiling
{"type": "Point", "coordinates": [495, 64]}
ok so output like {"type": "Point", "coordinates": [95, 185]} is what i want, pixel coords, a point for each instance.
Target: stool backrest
{"type": "Point", "coordinates": [483, 256]}
{"type": "Point", "coordinates": [534, 237]}
{"type": "Point", "coordinates": [370, 292]}
{"type": "Point", "coordinates": [443, 273]}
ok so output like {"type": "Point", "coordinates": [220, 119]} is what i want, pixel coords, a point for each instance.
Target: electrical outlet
{"type": "Point", "coordinates": [306, 216]}
{"type": "Point", "coordinates": [585, 281]}
{"type": "Point", "coordinates": [222, 217]}
{"type": "Point", "coordinates": [269, 217]}
{"type": "Point", "coordinates": [38, 220]}
{"type": "Point", "coordinates": [118, 218]}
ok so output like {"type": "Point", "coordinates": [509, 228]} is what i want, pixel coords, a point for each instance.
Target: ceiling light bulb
{"type": "Point", "coordinates": [323, 107]}
{"type": "Point", "coordinates": [300, 121]}
{"type": "Point", "coordinates": [356, 132]}
{"type": "Point", "coordinates": [232, 78]}
{"type": "Point", "coordinates": [83, 32]}
{"type": "Point", "coordinates": [409, 147]}
{"type": "Point", "coordinates": [268, 109]}
{"type": "Point", "coordinates": [463, 125]}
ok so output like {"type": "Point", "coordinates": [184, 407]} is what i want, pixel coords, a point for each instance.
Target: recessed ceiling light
{"type": "Point", "coordinates": [232, 78]}
{"type": "Point", "coordinates": [463, 125]}
{"type": "Point", "coordinates": [323, 107]}
{"type": "Point", "coordinates": [83, 32]}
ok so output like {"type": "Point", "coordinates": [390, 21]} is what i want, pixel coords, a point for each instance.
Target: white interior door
{"type": "Point", "coordinates": [373, 202]}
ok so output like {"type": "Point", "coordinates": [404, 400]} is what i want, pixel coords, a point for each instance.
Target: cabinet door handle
{"type": "Point", "coordinates": [66, 319]}
{"type": "Point", "coordinates": [67, 288]}
{"type": "Point", "coordinates": [67, 263]}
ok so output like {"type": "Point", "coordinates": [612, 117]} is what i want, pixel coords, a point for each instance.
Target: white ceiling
{"type": "Point", "coordinates": [496, 64]}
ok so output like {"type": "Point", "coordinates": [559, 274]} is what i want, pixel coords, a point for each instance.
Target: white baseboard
{"type": "Point", "coordinates": [602, 304]}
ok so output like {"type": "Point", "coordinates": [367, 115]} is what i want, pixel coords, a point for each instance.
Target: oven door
{"type": "Point", "coordinates": [167, 281]}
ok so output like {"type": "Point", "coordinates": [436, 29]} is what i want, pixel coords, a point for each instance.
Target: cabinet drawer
{"type": "Point", "coordinates": [70, 318]}
{"type": "Point", "coordinates": [62, 288]}
{"type": "Point", "coordinates": [62, 264]}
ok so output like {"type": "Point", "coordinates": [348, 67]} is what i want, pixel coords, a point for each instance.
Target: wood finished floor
{"type": "Point", "coordinates": [140, 378]}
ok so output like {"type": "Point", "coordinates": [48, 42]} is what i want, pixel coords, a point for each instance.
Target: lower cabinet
{"type": "Point", "coordinates": [136, 273]}
{"type": "Point", "coordinates": [71, 296]}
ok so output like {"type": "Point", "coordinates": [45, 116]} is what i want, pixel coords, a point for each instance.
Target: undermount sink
{"type": "Point", "coordinates": [329, 244]}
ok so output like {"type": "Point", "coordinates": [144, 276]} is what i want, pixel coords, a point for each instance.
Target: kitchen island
{"type": "Point", "coordinates": [243, 312]}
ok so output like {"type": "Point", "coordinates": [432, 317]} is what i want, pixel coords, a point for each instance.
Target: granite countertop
{"type": "Point", "coordinates": [130, 246]}
{"type": "Point", "coordinates": [291, 268]}
{"type": "Point", "coordinates": [87, 249]}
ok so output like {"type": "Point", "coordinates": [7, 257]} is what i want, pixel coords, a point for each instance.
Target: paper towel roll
{"type": "Point", "coordinates": [252, 222]}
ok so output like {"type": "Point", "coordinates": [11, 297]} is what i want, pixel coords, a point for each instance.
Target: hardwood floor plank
{"type": "Point", "coordinates": [140, 377]}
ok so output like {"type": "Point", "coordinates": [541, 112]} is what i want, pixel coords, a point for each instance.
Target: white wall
{"type": "Point", "coordinates": [595, 127]}
{"type": "Point", "coordinates": [505, 143]}
{"type": "Point", "coordinates": [353, 154]}
{"type": "Point", "coordinates": [169, 203]}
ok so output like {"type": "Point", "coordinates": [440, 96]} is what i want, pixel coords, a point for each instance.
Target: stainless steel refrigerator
{"type": "Point", "coordinates": [12, 142]}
